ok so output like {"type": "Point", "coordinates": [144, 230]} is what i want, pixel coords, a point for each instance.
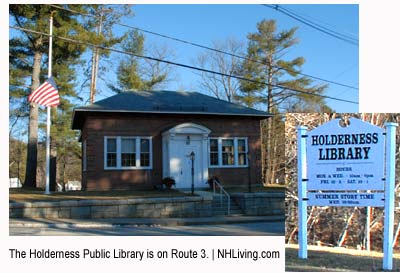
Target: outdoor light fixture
{"type": "Point", "coordinates": [187, 140]}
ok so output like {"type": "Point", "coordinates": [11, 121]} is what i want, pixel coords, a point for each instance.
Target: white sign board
{"type": "Point", "coordinates": [345, 158]}
{"type": "Point", "coordinates": [339, 160]}
{"type": "Point", "coordinates": [346, 199]}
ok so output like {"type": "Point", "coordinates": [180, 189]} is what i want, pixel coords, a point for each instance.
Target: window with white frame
{"type": "Point", "coordinates": [228, 152]}
{"type": "Point", "coordinates": [127, 152]}
{"type": "Point", "coordinates": [144, 152]}
{"type": "Point", "coordinates": [111, 152]}
{"type": "Point", "coordinates": [242, 151]}
{"type": "Point", "coordinates": [214, 161]}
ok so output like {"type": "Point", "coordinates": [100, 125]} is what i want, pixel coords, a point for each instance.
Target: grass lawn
{"type": "Point", "coordinates": [336, 259]}
{"type": "Point", "coordinates": [27, 195]}
{"type": "Point", "coordinates": [32, 195]}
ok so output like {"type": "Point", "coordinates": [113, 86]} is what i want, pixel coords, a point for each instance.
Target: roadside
{"type": "Point", "coordinates": [144, 209]}
{"type": "Point", "coordinates": [133, 222]}
{"type": "Point", "coordinates": [326, 259]}
{"type": "Point", "coordinates": [238, 229]}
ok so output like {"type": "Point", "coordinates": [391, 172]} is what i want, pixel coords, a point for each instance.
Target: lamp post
{"type": "Point", "coordinates": [192, 159]}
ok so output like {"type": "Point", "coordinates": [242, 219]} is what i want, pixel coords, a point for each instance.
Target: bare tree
{"type": "Point", "coordinates": [222, 87]}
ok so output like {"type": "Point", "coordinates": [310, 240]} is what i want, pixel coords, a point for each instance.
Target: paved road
{"type": "Point", "coordinates": [243, 229]}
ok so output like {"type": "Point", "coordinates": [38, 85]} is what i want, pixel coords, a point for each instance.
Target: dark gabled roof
{"type": "Point", "coordinates": [164, 102]}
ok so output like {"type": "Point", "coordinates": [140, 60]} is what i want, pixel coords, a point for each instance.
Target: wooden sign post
{"type": "Point", "coordinates": [339, 164]}
{"type": "Point", "coordinates": [389, 195]}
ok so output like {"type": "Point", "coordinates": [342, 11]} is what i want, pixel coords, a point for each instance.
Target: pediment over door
{"type": "Point", "coordinates": [188, 128]}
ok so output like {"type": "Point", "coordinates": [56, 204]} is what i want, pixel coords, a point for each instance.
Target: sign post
{"type": "Point", "coordinates": [389, 196]}
{"type": "Point", "coordinates": [302, 190]}
{"type": "Point", "coordinates": [347, 164]}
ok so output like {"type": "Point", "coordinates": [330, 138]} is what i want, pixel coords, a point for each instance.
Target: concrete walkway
{"type": "Point", "coordinates": [134, 222]}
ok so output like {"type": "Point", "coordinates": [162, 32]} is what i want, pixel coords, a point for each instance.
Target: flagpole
{"type": "Point", "coordinates": [47, 191]}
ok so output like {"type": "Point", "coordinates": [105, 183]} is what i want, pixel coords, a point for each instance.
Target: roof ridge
{"type": "Point", "coordinates": [183, 91]}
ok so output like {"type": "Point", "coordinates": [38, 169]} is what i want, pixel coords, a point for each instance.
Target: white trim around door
{"type": "Point", "coordinates": [178, 143]}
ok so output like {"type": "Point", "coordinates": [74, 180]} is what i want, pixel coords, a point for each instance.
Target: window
{"type": "Point", "coordinates": [228, 152]}
{"type": "Point", "coordinates": [111, 152]}
{"type": "Point", "coordinates": [242, 151]}
{"type": "Point", "coordinates": [127, 153]}
{"type": "Point", "coordinates": [228, 156]}
{"type": "Point", "coordinates": [145, 152]}
{"type": "Point", "coordinates": [214, 152]}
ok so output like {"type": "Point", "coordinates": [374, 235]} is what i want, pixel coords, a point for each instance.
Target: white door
{"type": "Point", "coordinates": [178, 143]}
{"type": "Point", "coordinates": [184, 177]}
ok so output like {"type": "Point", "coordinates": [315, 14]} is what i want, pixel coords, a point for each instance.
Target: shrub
{"type": "Point", "coordinates": [168, 182]}
{"type": "Point", "coordinates": [210, 181]}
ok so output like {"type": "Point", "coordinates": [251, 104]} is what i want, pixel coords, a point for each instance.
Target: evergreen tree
{"type": "Point", "coordinates": [265, 64]}
{"type": "Point", "coordinates": [136, 74]}
{"type": "Point", "coordinates": [272, 78]}
{"type": "Point", "coordinates": [103, 21]}
{"type": "Point", "coordinates": [29, 59]}
{"type": "Point", "coordinates": [128, 75]}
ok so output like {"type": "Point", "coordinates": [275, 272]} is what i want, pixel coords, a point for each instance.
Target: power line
{"type": "Point", "coordinates": [350, 37]}
{"type": "Point", "coordinates": [321, 23]}
{"type": "Point", "coordinates": [209, 48]}
{"type": "Point", "coordinates": [181, 65]}
{"type": "Point", "coordinates": [314, 25]}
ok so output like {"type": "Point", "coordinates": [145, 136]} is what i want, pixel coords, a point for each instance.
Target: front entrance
{"type": "Point", "coordinates": [184, 177]}
{"type": "Point", "coordinates": [178, 143]}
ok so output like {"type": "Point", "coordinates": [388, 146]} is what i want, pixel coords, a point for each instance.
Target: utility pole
{"type": "Point", "coordinates": [95, 61]}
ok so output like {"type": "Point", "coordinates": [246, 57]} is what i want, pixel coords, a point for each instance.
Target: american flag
{"type": "Point", "coordinates": [46, 94]}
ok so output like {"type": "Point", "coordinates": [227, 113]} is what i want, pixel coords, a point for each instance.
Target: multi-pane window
{"type": "Point", "coordinates": [111, 152]}
{"type": "Point", "coordinates": [228, 156]}
{"type": "Point", "coordinates": [144, 152]}
{"type": "Point", "coordinates": [228, 152]}
{"type": "Point", "coordinates": [214, 152]}
{"type": "Point", "coordinates": [127, 153]}
{"type": "Point", "coordinates": [242, 151]}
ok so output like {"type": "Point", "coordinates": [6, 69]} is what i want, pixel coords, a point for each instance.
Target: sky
{"type": "Point", "coordinates": [379, 51]}
{"type": "Point", "coordinates": [326, 57]}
